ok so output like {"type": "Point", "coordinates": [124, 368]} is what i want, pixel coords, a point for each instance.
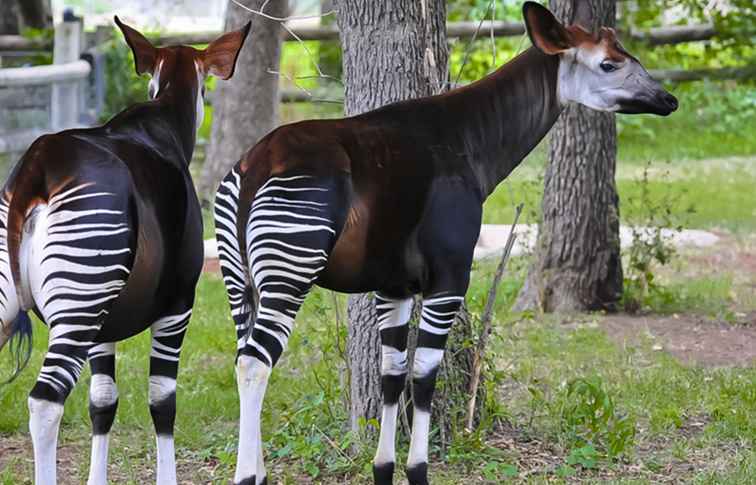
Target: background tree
{"type": "Point", "coordinates": [577, 262]}
{"type": "Point", "coordinates": [36, 14]}
{"type": "Point", "coordinates": [245, 108]}
{"type": "Point", "coordinates": [15, 15]}
{"type": "Point", "coordinates": [392, 50]}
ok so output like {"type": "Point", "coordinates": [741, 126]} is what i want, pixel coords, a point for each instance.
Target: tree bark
{"type": "Point", "coordinates": [245, 108]}
{"type": "Point", "coordinates": [391, 50]}
{"type": "Point", "coordinates": [10, 18]}
{"type": "Point", "coordinates": [36, 14]}
{"type": "Point", "coordinates": [577, 262]}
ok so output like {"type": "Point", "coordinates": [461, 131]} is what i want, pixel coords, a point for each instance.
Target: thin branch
{"type": "Point", "coordinates": [486, 321]}
{"type": "Point", "coordinates": [471, 42]}
{"type": "Point", "coordinates": [281, 19]}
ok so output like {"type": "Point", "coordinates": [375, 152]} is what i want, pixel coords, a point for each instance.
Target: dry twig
{"type": "Point", "coordinates": [486, 321]}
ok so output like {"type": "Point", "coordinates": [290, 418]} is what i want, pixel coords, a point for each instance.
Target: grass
{"type": "Point", "coordinates": [305, 417]}
{"type": "Point", "coordinates": [713, 194]}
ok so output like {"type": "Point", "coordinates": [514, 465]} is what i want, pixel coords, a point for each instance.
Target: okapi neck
{"type": "Point", "coordinates": [182, 109]}
{"type": "Point", "coordinates": [165, 126]}
{"type": "Point", "coordinates": [502, 117]}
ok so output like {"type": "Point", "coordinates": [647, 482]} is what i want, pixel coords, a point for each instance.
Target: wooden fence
{"type": "Point", "coordinates": [42, 99]}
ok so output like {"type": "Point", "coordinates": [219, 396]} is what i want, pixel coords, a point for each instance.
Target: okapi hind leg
{"type": "Point", "coordinates": [78, 263]}
{"type": "Point", "coordinates": [103, 402]}
{"type": "Point", "coordinates": [393, 316]}
{"type": "Point", "coordinates": [292, 227]}
{"type": "Point", "coordinates": [235, 275]}
{"type": "Point", "coordinates": [437, 316]}
{"type": "Point", "coordinates": [167, 338]}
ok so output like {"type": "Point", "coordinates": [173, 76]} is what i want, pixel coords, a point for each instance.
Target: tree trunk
{"type": "Point", "coordinates": [392, 50]}
{"type": "Point", "coordinates": [577, 262]}
{"type": "Point", "coordinates": [10, 20]}
{"type": "Point", "coordinates": [36, 14]}
{"type": "Point", "coordinates": [245, 108]}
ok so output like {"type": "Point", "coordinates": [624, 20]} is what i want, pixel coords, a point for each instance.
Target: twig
{"type": "Point", "coordinates": [282, 21]}
{"type": "Point", "coordinates": [486, 319]}
{"type": "Point", "coordinates": [471, 42]}
{"type": "Point", "coordinates": [334, 445]}
{"type": "Point", "coordinates": [493, 40]}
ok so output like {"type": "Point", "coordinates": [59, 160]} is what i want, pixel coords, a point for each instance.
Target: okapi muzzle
{"type": "Point", "coordinates": [594, 69]}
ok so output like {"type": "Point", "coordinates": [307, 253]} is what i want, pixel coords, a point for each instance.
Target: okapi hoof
{"type": "Point", "coordinates": [383, 474]}
{"type": "Point", "coordinates": [253, 481]}
{"type": "Point", "coordinates": [418, 474]}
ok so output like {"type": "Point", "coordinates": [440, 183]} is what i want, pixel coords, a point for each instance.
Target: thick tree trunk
{"type": "Point", "coordinates": [10, 18]}
{"type": "Point", "coordinates": [578, 265]}
{"type": "Point", "coordinates": [392, 50]}
{"type": "Point", "coordinates": [36, 14]}
{"type": "Point", "coordinates": [245, 108]}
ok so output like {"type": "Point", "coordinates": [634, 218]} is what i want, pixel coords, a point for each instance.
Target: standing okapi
{"type": "Point", "coordinates": [390, 201]}
{"type": "Point", "coordinates": [101, 236]}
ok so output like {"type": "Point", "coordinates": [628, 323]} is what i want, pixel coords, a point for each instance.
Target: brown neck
{"type": "Point", "coordinates": [497, 121]}
{"type": "Point", "coordinates": [166, 125]}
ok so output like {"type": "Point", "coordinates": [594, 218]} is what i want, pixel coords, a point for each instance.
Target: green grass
{"type": "Point", "coordinates": [720, 194]}
{"type": "Point", "coordinates": [305, 419]}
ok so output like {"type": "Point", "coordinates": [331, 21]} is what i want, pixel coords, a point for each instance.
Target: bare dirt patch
{"type": "Point", "coordinates": [692, 339]}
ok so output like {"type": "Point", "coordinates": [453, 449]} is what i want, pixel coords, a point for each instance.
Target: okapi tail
{"type": "Point", "coordinates": [20, 343]}
{"type": "Point", "coordinates": [28, 189]}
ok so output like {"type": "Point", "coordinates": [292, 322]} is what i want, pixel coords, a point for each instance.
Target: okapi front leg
{"type": "Point", "coordinates": [393, 317]}
{"type": "Point", "coordinates": [167, 338]}
{"type": "Point", "coordinates": [103, 402]}
{"type": "Point", "coordinates": [437, 317]}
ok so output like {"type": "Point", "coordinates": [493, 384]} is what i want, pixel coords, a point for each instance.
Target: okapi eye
{"type": "Point", "coordinates": [607, 66]}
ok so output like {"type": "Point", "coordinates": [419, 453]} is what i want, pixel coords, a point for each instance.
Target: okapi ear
{"type": "Point", "coordinates": [145, 53]}
{"type": "Point", "coordinates": [544, 30]}
{"type": "Point", "coordinates": [219, 59]}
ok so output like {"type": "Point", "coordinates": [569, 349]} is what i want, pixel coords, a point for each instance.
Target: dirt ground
{"type": "Point", "coordinates": [692, 339]}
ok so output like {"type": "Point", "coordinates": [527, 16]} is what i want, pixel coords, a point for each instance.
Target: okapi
{"type": "Point", "coordinates": [101, 236]}
{"type": "Point", "coordinates": [390, 201]}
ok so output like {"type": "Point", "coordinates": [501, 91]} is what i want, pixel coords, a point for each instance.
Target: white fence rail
{"type": "Point", "coordinates": [43, 99]}
{"type": "Point", "coordinates": [50, 74]}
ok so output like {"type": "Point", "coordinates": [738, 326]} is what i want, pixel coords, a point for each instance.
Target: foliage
{"type": "Point", "coordinates": [734, 21]}
{"type": "Point", "coordinates": [123, 86]}
{"type": "Point", "coordinates": [651, 244]}
{"type": "Point", "coordinates": [588, 419]}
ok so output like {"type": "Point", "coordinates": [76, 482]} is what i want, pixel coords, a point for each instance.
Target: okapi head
{"type": "Point", "coordinates": [594, 69]}
{"type": "Point", "coordinates": [181, 70]}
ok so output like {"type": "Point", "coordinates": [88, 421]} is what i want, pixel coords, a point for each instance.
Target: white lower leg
{"type": "Point", "coordinates": [260, 459]}
{"type": "Point", "coordinates": [162, 393]}
{"type": "Point", "coordinates": [386, 452]}
{"type": "Point", "coordinates": [98, 465]}
{"type": "Point", "coordinates": [426, 364]}
{"type": "Point", "coordinates": [44, 422]}
{"type": "Point", "coordinates": [418, 452]}
{"type": "Point", "coordinates": [252, 379]}
{"type": "Point", "coordinates": [102, 393]}
{"type": "Point", "coordinates": [166, 460]}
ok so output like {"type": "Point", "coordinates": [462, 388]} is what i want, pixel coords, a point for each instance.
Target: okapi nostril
{"type": "Point", "coordinates": [670, 100]}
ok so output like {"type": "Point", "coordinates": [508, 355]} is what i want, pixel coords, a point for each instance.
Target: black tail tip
{"type": "Point", "coordinates": [20, 343]}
